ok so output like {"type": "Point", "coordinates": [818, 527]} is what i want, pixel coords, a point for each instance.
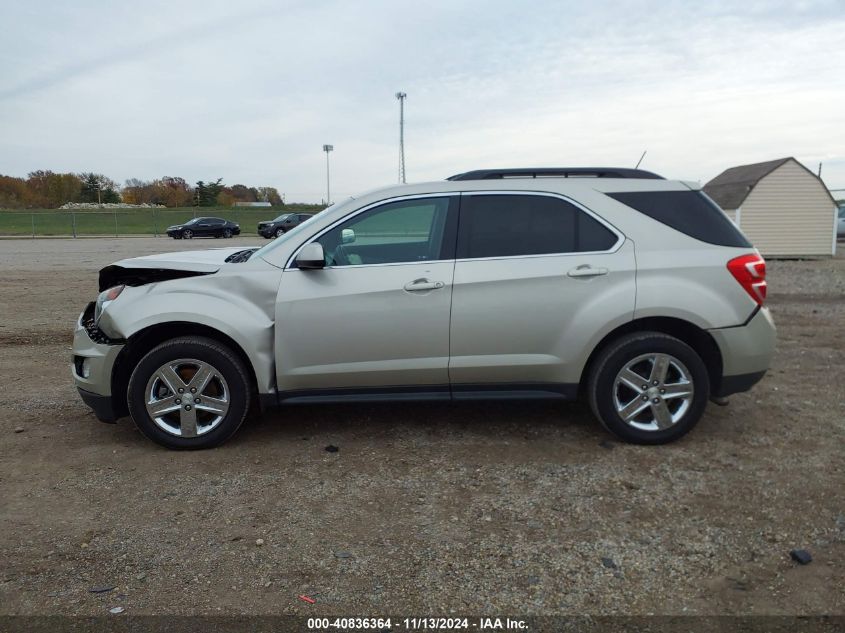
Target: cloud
{"type": "Point", "coordinates": [251, 94]}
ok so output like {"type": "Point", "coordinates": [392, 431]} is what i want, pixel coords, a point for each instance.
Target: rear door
{"type": "Point", "coordinates": [537, 277]}
{"type": "Point", "coordinates": [206, 226]}
{"type": "Point", "coordinates": [376, 318]}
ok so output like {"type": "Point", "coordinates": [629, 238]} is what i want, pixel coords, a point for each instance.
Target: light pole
{"type": "Point", "coordinates": [401, 96]}
{"type": "Point", "coordinates": [327, 149]}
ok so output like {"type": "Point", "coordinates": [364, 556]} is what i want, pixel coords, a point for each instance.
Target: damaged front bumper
{"type": "Point", "coordinates": [94, 355]}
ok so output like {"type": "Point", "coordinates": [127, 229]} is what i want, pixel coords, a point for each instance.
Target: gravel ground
{"type": "Point", "coordinates": [426, 509]}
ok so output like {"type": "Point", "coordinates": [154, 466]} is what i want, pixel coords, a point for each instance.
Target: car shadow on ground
{"type": "Point", "coordinates": [487, 420]}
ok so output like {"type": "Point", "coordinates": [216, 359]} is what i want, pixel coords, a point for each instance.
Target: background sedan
{"type": "Point", "coordinates": [204, 227]}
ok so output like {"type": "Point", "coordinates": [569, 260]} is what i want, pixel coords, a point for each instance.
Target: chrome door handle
{"type": "Point", "coordinates": [585, 270]}
{"type": "Point", "coordinates": [423, 284]}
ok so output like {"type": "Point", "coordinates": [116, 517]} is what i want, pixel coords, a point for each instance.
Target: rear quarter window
{"type": "Point", "coordinates": [690, 212]}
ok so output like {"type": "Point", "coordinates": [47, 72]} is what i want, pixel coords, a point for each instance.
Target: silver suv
{"type": "Point", "coordinates": [634, 292]}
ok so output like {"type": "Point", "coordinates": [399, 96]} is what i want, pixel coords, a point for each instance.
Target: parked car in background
{"type": "Point", "coordinates": [632, 292]}
{"type": "Point", "coordinates": [281, 225]}
{"type": "Point", "coordinates": [204, 227]}
{"type": "Point", "coordinates": [840, 223]}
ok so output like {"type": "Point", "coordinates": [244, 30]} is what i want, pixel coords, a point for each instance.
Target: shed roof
{"type": "Point", "coordinates": [730, 188]}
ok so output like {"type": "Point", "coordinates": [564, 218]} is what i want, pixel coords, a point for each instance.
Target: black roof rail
{"type": "Point", "coordinates": [556, 172]}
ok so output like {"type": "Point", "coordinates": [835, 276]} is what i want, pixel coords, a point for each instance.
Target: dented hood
{"type": "Point", "coordinates": [200, 261]}
{"type": "Point", "coordinates": [138, 271]}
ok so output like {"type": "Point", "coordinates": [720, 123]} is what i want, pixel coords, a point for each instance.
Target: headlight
{"type": "Point", "coordinates": [104, 299]}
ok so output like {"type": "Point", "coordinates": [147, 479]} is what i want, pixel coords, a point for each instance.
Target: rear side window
{"type": "Point", "coordinates": [690, 212]}
{"type": "Point", "coordinates": [512, 225]}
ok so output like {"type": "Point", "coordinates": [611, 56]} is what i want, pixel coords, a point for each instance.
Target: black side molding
{"type": "Point", "coordinates": [515, 391]}
{"type": "Point", "coordinates": [425, 393]}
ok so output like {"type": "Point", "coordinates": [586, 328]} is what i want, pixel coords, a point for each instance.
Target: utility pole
{"type": "Point", "coordinates": [327, 149]}
{"type": "Point", "coordinates": [401, 96]}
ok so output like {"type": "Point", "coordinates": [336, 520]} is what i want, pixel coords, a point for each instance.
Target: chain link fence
{"type": "Point", "coordinates": [122, 222]}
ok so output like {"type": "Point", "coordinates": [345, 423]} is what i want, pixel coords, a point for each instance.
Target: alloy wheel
{"type": "Point", "coordinates": [653, 392]}
{"type": "Point", "coordinates": [187, 397]}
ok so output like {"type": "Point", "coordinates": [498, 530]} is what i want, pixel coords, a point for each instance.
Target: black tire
{"type": "Point", "coordinates": [227, 233]}
{"type": "Point", "coordinates": [187, 235]}
{"type": "Point", "coordinates": [280, 232]}
{"type": "Point", "coordinates": [222, 359]}
{"type": "Point", "coordinates": [601, 386]}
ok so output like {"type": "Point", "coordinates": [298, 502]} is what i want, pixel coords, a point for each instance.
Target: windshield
{"type": "Point", "coordinates": [297, 231]}
{"type": "Point", "coordinates": [192, 221]}
{"type": "Point", "coordinates": [282, 217]}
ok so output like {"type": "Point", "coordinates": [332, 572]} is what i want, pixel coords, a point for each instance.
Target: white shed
{"type": "Point", "coordinates": [783, 207]}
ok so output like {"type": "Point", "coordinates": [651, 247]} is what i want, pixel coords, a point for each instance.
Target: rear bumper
{"type": "Point", "coordinates": [746, 351]}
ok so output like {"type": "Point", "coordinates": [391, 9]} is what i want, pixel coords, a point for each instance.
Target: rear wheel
{"type": "Point", "coordinates": [648, 388]}
{"type": "Point", "coordinates": [189, 393]}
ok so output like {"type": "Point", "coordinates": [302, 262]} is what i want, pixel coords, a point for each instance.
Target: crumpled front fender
{"type": "Point", "coordinates": [239, 304]}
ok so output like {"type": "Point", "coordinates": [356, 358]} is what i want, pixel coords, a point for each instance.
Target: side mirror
{"type": "Point", "coordinates": [311, 257]}
{"type": "Point", "coordinates": [347, 236]}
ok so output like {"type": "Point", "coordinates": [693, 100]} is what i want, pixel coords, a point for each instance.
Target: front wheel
{"type": "Point", "coordinates": [227, 233]}
{"type": "Point", "coordinates": [648, 388]}
{"type": "Point", "coordinates": [188, 234]}
{"type": "Point", "coordinates": [189, 393]}
{"type": "Point", "coordinates": [280, 232]}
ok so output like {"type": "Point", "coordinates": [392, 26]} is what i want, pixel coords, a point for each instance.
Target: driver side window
{"type": "Point", "coordinates": [396, 232]}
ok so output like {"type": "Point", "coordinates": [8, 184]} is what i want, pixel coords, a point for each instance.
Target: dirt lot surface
{"type": "Point", "coordinates": [426, 509]}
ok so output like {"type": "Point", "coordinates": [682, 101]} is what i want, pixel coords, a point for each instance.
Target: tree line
{"type": "Point", "coordinates": [44, 189]}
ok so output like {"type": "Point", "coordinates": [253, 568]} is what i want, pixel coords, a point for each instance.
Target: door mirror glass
{"type": "Point", "coordinates": [311, 257]}
{"type": "Point", "coordinates": [347, 236]}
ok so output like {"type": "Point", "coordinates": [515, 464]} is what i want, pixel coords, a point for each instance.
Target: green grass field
{"type": "Point", "coordinates": [48, 222]}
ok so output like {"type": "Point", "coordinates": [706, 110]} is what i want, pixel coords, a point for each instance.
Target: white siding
{"type": "Point", "coordinates": [789, 213]}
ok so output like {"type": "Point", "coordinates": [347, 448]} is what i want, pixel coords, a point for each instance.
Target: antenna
{"type": "Point", "coordinates": [401, 96]}
{"type": "Point", "coordinates": [641, 160]}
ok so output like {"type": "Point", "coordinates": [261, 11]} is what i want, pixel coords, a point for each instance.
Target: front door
{"type": "Point", "coordinates": [377, 316]}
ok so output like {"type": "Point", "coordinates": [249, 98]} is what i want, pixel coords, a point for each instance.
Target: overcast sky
{"type": "Point", "coordinates": [250, 90]}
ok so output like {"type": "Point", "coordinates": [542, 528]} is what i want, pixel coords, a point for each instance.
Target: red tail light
{"type": "Point", "coordinates": [750, 272]}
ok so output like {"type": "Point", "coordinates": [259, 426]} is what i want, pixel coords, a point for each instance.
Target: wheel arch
{"type": "Point", "coordinates": [141, 342]}
{"type": "Point", "coordinates": [698, 339]}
